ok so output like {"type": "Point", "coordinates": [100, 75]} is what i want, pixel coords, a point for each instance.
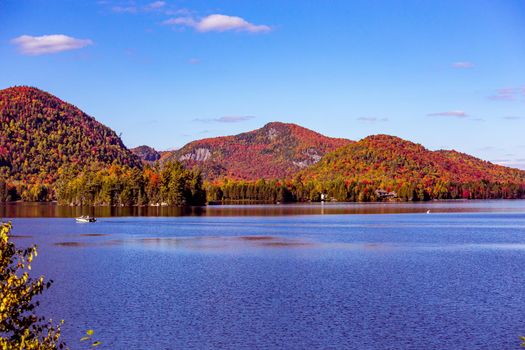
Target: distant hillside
{"type": "Point", "coordinates": [393, 164]}
{"type": "Point", "coordinates": [146, 153]}
{"type": "Point", "coordinates": [277, 150]}
{"type": "Point", "coordinates": [39, 133]}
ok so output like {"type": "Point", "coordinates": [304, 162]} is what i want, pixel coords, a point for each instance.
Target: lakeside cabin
{"type": "Point", "coordinates": [382, 194]}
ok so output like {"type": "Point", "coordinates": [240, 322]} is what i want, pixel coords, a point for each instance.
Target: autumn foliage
{"type": "Point", "coordinates": [49, 150]}
{"type": "Point", "coordinates": [20, 326]}
{"type": "Point", "coordinates": [40, 133]}
{"type": "Point", "coordinates": [414, 172]}
{"type": "Point", "coordinates": [277, 150]}
{"type": "Point", "coordinates": [146, 153]}
{"type": "Point", "coordinates": [170, 184]}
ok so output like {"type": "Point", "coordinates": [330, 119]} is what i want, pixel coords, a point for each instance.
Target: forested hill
{"type": "Point", "coordinates": [146, 153]}
{"type": "Point", "coordinates": [277, 150]}
{"type": "Point", "coordinates": [39, 133]}
{"type": "Point", "coordinates": [393, 164]}
{"type": "Point", "coordinates": [48, 146]}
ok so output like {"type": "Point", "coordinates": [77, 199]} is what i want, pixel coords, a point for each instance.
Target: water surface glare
{"type": "Point", "coordinates": [449, 280]}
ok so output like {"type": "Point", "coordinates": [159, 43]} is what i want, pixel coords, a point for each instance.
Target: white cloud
{"type": "Point", "coordinates": [221, 23]}
{"type": "Point", "coordinates": [456, 114]}
{"type": "Point", "coordinates": [463, 65]}
{"type": "Point", "coordinates": [45, 44]}
{"type": "Point", "coordinates": [218, 23]}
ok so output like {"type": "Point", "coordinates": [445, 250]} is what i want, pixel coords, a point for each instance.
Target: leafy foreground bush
{"type": "Point", "coordinates": [20, 327]}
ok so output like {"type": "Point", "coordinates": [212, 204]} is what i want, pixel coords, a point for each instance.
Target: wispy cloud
{"type": "Point", "coordinates": [202, 132]}
{"type": "Point", "coordinates": [372, 119]}
{"type": "Point", "coordinates": [46, 44]}
{"type": "Point", "coordinates": [225, 119]}
{"type": "Point", "coordinates": [518, 163]}
{"type": "Point", "coordinates": [194, 61]}
{"type": "Point", "coordinates": [131, 7]}
{"type": "Point", "coordinates": [156, 5]}
{"type": "Point", "coordinates": [512, 117]}
{"type": "Point", "coordinates": [487, 148]}
{"type": "Point", "coordinates": [462, 65]}
{"type": "Point", "coordinates": [505, 94]}
{"type": "Point", "coordinates": [177, 11]}
{"type": "Point", "coordinates": [218, 23]}
{"type": "Point", "coordinates": [125, 9]}
{"type": "Point", "coordinates": [180, 21]}
{"type": "Point", "coordinates": [234, 119]}
{"type": "Point", "coordinates": [454, 114]}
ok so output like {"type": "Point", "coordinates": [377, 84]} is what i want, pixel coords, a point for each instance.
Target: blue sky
{"type": "Point", "coordinates": [446, 74]}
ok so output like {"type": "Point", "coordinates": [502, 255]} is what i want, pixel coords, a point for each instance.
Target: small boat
{"type": "Point", "coordinates": [86, 218]}
{"type": "Point", "coordinates": [428, 211]}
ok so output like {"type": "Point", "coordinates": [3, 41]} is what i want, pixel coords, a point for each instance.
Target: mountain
{"type": "Point", "coordinates": [39, 133]}
{"type": "Point", "coordinates": [393, 164]}
{"type": "Point", "coordinates": [146, 153]}
{"type": "Point", "coordinates": [277, 150]}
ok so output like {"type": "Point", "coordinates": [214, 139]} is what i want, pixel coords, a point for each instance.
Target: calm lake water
{"type": "Point", "coordinates": [333, 276]}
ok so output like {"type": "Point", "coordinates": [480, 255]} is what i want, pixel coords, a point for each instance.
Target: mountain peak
{"type": "Point", "coordinates": [24, 90]}
{"type": "Point", "coordinates": [42, 133]}
{"type": "Point", "coordinates": [385, 138]}
{"type": "Point", "coordinates": [146, 153]}
{"type": "Point", "coordinates": [277, 150]}
{"type": "Point", "coordinates": [277, 124]}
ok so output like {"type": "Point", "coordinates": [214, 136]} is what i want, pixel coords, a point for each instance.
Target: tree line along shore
{"type": "Point", "coordinates": [173, 184]}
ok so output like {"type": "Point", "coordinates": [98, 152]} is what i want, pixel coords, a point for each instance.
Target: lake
{"type": "Point", "coordinates": [305, 276]}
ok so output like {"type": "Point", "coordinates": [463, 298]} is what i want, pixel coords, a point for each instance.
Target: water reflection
{"type": "Point", "coordinates": [13, 210]}
{"type": "Point", "coordinates": [246, 243]}
{"type": "Point", "coordinates": [200, 243]}
{"type": "Point", "coordinates": [37, 210]}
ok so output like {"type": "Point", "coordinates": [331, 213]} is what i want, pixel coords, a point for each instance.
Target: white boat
{"type": "Point", "coordinates": [86, 218]}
